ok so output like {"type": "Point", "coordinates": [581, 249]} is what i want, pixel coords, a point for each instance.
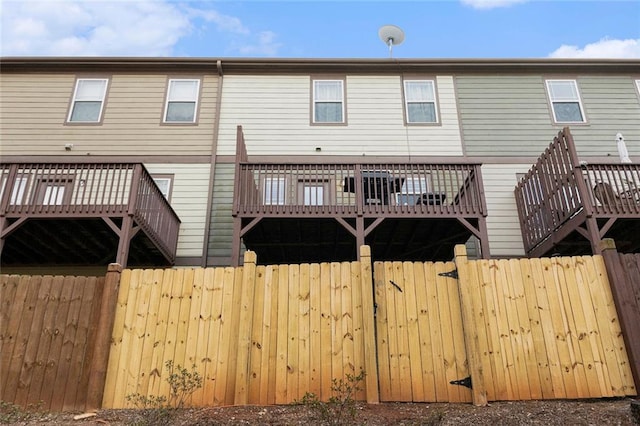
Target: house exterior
{"type": "Point", "coordinates": [305, 160]}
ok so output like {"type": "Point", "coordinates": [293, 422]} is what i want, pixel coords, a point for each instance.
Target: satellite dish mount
{"type": "Point", "coordinates": [391, 35]}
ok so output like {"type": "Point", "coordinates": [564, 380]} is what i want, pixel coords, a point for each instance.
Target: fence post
{"type": "Point", "coordinates": [247, 293]}
{"type": "Point", "coordinates": [626, 304]}
{"type": "Point", "coordinates": [369, 327]}
{"type": "Point", "coordinates": [472, 345]}
{"type": "Point", "coordinates": [104, 329]}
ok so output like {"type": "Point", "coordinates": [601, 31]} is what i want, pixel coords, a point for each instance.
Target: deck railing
{"type": "Point", "coordinates": [559, 186]}
{"type": "Point", "coordinates": [386, 189]}
{"type": "Point", "coordinates": [61, 190]}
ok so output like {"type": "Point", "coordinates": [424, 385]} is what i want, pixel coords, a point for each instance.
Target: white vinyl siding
{"type": "Point", "coordinates": [274, 112]}
{"type": "Point", "coordinates": [88, 100]}
{"type": "Point", "coordinates": [328, 101]}
{"type": "Point", "coordinates": [420, 101]}
{"type": "Point", "coordinates": [182, 101]}
{"type": "Point", "coordinates": [505, 236]}
{"type": "Point", "coordinates": [565, 101]}
{"type": "Point", "coordinates": [189, 197]}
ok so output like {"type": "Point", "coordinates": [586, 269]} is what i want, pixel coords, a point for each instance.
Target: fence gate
{"type": "Point", "coordinates": [516, 329]}
{"type": "Point", "coordinates": [420, 338]}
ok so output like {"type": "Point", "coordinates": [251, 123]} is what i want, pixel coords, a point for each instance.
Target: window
{"type": "Point", "coordinates": [420, 101]}
{"type": "Point", "coordinates": [412, 190]}
{"type": "Point", "coordinates": [164, 185]}
{"type": "Point", "coordinates": [88, 100]}
{"type": "Point", "coordinates": [18, 191]}
{"type": "Point", "coordinates": [182, 101]}
{"type": "Point", "coordinates": [638, 86]}
{"type": "Point", "coordinates": [274, 191]}
{"type": "Point", "coordinates": [328, 102]}
{"type": "Point", "coordinates": [565, 101]}
{"type": "Point", "coordinates": [313, 192]}
{"type": "Point", "coordinates": [53, 192]}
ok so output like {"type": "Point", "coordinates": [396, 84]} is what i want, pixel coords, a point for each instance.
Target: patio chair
{"type": "Point", "coordinates": [606, 195]}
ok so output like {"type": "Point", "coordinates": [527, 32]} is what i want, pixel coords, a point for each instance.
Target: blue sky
{"type": "Point", "coordinates": [321, 29]}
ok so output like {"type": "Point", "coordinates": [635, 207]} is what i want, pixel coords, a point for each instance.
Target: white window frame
{"type": "Point", "coordinates": [316, 101]}
{"type": "Point", "coordinates": [274, 191]}
{"type": "Point", "coordinates": [433, 100]}
{"type": "Point", "coordinates": [18, 191]}
{"type": "Point", "coordinates": [77, 100]}
{"type": "Point", "coordinates": [171, 99]}
{"type": "Point", "coordinates": [169, 187]}
{"type": "Point", "coordinates": [638, 86]}
{"type": "Point", "coordinates": [577, 99]}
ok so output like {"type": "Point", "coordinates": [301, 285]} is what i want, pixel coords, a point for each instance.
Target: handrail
{"type": "Point", "coordinates": [359, 188]}
{"type": "Point", "coordinates": [66, 190]}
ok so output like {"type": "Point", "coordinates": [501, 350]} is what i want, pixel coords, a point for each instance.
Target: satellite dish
{"type": "Point", "coordinates": [391, 35]}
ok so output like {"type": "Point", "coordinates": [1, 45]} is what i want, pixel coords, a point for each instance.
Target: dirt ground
{"type": "Point", "coordinates": [549, 413]}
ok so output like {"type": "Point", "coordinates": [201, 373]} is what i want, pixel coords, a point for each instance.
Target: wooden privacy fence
{"type": "Point", "coordinates": [256, 334]}
{"type": "Point", "coordinates": [541, 329]}
{"type": "Point", "coordinates": [51, 331]}
{"type": "Point", "coordinates": [513, 329]}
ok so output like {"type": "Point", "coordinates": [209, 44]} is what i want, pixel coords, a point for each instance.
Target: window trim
{"type": "Point", "coordinates": [308, 183]}
{"type": "Point", "coordinates": [281, 187]}
{"type": "Point", "coordinates": [103, 101]}
{"type": "Point", "coordinates": [66, 182]}
{"type": "Point", "coordinates": [168, 177]}
{"type": "Point", "coordinates": [547, 82]}
{"type": "Point", "coordinates": [637, 81]}
{"type": "Point", "coordinates": [405, 102]}
{"type": "Point", "coordinates": [20, 188]}
{"type": "Point", "coordinates": [196, 108]}
{"type": "Point", "coordinates": [312, 97]}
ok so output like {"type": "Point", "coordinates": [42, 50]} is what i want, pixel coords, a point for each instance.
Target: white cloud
{"type": "Point", "coordinates": [491, 4]}
{"type": "Point", "coordinates": [604, 48]}
{"type": "Point", "coordinates": [266, 45]}
{"type": "Point", "coordinates": [116, 28]}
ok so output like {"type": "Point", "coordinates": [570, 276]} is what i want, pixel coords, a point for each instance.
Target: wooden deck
{"type": "Point", "coordinates": [567, 206]}
{"type": "Point", "coordinates": [322, 211]}
{"type": "Point", "coordinates": [84, 214]}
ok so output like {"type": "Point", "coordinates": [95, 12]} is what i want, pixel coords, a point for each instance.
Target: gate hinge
{"type": "Point", "coordinates": [450, 274]}
{"type": "Point", "coordinates": [466, 382]}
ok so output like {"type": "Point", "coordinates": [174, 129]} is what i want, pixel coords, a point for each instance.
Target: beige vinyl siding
{"type": "Point", "coordinates": [505, 237]}
{"type": "Point", "coordinates": [189, 200]}
{"type": "Point", "coordinates": [504, 115]}
{"type": "Point", "coordinates": [34, 108]}
{"type": "Point", "coordinates": [221, 229]}
{"type": "Point", "coordinates": [275, 114]}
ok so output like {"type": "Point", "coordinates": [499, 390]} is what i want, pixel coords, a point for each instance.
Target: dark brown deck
{"type": "Point", "coordinates": [567, 207]}
{"type": "Point", "coordinates": [314, 212]}
{"type": "Point", "coordinates": [84, 214]}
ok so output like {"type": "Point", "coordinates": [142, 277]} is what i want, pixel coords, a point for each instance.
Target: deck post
{"type": "Point", "coordinates": [102, 340]}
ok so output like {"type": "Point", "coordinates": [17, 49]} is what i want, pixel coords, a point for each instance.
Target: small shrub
{"type": "Point", "coordinates": [182, 382]}
{"type": "Point", "coordinates": [157, 410]}
{"type": "Point", "coordinates": [341, 408]}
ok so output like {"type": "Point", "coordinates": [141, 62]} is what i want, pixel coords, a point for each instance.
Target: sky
{"type": "Point", "coordinates": [321, 29]}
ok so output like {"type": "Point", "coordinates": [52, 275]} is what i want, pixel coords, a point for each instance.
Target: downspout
{"type": "Point", "coordinates": [214, 149]}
